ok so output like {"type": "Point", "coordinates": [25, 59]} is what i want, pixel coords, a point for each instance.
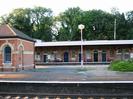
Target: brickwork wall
{"type": "Point", "coordinates": [100, 49]}
{"type": "Point", "coordinates": [28, 54]}
{"type": "Point", "coordinates": [27, 58]}
{"type": "Point", "coordinates": [14, 60]}
{"type": "Point", "coordinates": [12, 43]}
{"type": "Point", "coordinates": [1, 60]}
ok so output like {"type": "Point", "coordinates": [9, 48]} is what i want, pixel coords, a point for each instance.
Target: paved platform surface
{"type": "Point", "coordinates": [67, 73]}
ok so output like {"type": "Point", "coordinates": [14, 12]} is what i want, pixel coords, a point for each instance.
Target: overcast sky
{"type": "Point", "coordinates": [58, 6]}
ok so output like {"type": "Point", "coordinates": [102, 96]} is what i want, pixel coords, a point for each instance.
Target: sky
{"type": "Point", "coordinates": [58, 6]}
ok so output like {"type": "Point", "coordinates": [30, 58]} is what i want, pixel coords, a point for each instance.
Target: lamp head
{"type": "Point", "coordinates": [81, 26]}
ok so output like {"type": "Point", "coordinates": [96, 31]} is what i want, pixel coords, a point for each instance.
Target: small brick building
{"type": "Point", "coordinates": [16, 49]}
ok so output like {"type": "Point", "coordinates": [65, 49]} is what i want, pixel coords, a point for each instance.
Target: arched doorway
{"type": "Point", "coordinates": [79, 57]}
{"type": "Point", "coordinates": [45, 58]}
{"type": "Point", "coordinates": [21, 56]}
{"type": "Point", "coordinates": [95, 56]}
{"type": "Point", "coordinates": [103, 56]}
{"type": "Point", "coordinates": [7, 54]}
{"type": "Point", "coordinates": [66, 57]}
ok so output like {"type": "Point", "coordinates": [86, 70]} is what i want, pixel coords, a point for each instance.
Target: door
{"type": "Point", "coordinates": [95, 56]}
{"type": "Point", "coordinates": [79, 57]}
{"type": "Point", "coordinates": [66, 58]}
{"type": "Point", "coordinates": [44, 58]}
{"type": "Point", "coordinates": [103, 56]}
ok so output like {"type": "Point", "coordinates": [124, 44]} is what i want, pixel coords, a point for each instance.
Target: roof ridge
{"type": "Point", "coordinates": [11, 29]}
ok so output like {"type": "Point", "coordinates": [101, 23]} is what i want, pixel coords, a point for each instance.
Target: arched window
{"type": "Point", "coordinates": [104, 55]}
{"type": "Point", "coordinates": [95, 56]}
{"type": "Point", "coordinates": [66, 57]}
{"type": "Point", "coordinates": [7, 54]}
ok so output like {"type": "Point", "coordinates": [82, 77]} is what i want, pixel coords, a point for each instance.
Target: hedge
{"type": "Point", "coordinates": [124, 66]}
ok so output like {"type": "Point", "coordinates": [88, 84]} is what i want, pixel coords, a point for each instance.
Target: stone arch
{"type": "Point", "coordinates": [20, 45]}
{"type": "Point", "coordinates": [21, 56]}
{"type": "Point", "coordinates": [5, 44]}
{"type": "Point", "coordinates": [2, 49]}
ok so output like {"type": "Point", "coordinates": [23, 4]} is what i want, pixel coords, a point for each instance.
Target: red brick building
{"type": "Point", "coordinates": [16, 49]}
{"type": "Point", "coordinates": [68, 52]}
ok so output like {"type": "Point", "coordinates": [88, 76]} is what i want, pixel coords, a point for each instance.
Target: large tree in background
{"type": "Point", "coordinates": [69, 21]}
{"type": "Point", "coordinates": [122, 27]}
{"type": "Point", "coordinates": [39, 23]}
{"type": "Point", "coordinates": [121, 24]}
{"type": "Point", "coordinates": [36, 22]}
{"type": "Point", "coordinates": [130, 25]}
{"type": "Point", "coordinates": [21, 19]}
{"type": "Point", "coordinates": [99, 25]}
{"type": "Point", "coordinates": [43, 20]}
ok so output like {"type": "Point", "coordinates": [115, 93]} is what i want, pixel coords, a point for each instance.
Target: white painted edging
{"type": "Point", "coordinates": [67, 82]}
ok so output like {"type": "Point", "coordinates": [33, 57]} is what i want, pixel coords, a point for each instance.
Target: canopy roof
{"type": "Point", "coordinates": [78, 43]}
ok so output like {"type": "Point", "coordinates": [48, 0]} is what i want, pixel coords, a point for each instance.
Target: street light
{"type": "Point", "coordinates": [81, 27]}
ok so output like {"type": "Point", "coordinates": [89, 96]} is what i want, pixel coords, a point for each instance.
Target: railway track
{"type": "Point", "coordinates": [23, 90]}
{"type": "Point", "coordinates": [64, 96]}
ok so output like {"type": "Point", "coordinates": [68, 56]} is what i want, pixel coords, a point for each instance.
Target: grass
{"type": "Point", "coordinates": [122, 65]}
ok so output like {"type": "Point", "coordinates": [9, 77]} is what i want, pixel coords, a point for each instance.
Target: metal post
{"type": "Point", "coordinates": [81, 27]}
{"type": "Point", "coordinates": [81, 48]}
{"type": "Point", "coordinates": [115, 29]}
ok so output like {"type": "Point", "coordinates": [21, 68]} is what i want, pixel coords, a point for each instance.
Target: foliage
{"type": "Point", "coordinates": [99, 25]}
{"type": "Point", "coordinates": [124, 66]}
{"type": "Point", "coordinates": [36, 22]}
{"type": "Point", "coordinates": [39, 23]}
{"type": "Point", "coordinates": [70, 19]}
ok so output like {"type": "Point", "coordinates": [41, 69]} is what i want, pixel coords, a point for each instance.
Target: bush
{"type": "Point", "coordinates": [124, 66]}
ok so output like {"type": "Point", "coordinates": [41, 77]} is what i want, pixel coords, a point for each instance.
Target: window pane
{"type": "Point", "coordinates": [7, 54]}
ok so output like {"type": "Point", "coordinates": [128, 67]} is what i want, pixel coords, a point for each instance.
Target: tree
{"type": "Point", "coordinates": [39, 23]}
{"type": "Point", "coordinates": [36, 22]}
{"type": "Point", "coordinates": [43, 21]}
{"type": "Point", "coordinates": [129, 16]}
{"type": "Point", "coordinates": [122, 27]}
{"type": "Point", "coordinates": [98, 25]}
{"type": "Point", "coordinates": [69, 20]}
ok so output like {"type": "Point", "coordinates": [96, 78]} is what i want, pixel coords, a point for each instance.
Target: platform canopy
{"type": "Point", "coordinates": [78, 43]}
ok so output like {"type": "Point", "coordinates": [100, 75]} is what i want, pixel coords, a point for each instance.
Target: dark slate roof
{"type": "Point", "coordinates": [22, 35]}
{"type": "Point", "coordinates": [7, 31]}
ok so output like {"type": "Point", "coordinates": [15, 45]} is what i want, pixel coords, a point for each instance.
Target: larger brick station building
{"type": "Point", "coordinates": [94, 52]}
{"type": "Point", "coordinates": [16, 49]}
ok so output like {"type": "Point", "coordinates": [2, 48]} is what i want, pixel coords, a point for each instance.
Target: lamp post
{"type": "Point", "coordinates": [81, 27]}
{"type": "Point", "coordinates": [115, 29]}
